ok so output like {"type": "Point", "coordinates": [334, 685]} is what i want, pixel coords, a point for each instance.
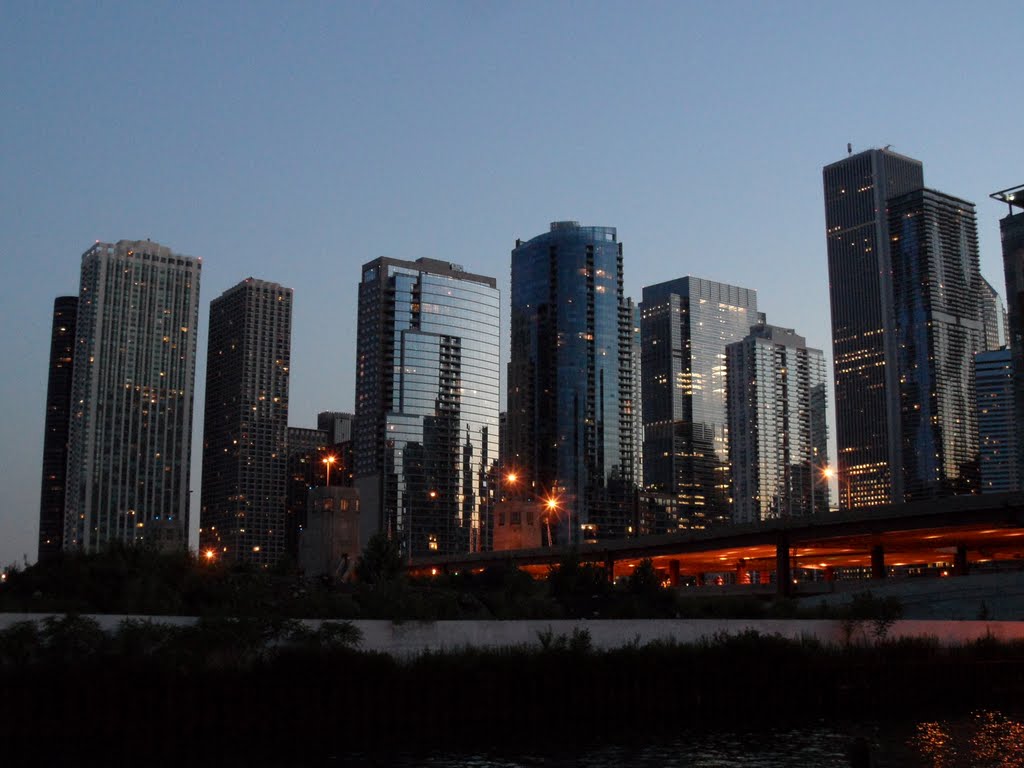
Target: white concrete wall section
{"type": "Point", "coordinates": [412, 638]}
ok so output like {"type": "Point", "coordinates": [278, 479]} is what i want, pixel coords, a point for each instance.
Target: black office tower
{"type": "Point", "coordinates": [245, 427]}
{"type": "Point", "coordinates": [58, 420]}
{"type": "Point", "coordinates": [1011, 229]}
{"type": "Point", "coordinates": [864, 343]}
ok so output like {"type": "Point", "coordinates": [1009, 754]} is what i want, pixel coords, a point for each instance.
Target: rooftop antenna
{"type": "Point", "coordinates": [849, 148]}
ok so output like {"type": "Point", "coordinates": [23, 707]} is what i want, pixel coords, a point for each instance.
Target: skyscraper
{"type": "Point", "coordinates": [685, 327]}
{"type": "Point", "coordinates": [55, 432]}
{"type": "Point", "coordinates": [1011, 230]}
{"type": "Point", "coordinates": [937, 298]}
{"type": "Point", "coordinates": [864, 345]}
{"type": "Point", "coordinates": [426, 424]}
{"type": "Point", "coordinates": [993, 317]}
{"type": "Point", "coordinates": [245, 427]}
{"type": "Point", "coordinates": [570, 380]}
{"type": "Point", "coordinates": [132, 394]}
{"type": "Point", "coordinates": [997, 429]}
{"type": "Point", "coordinates": [777, 435]}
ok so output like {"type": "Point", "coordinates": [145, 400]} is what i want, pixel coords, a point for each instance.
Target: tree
{"type": "Point", "coordinates": [380, 562]}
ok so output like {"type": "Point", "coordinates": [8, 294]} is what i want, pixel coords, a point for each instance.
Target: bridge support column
{"type": "Point", "coordinates": [830, 574]}
{"type": "Point", "coordinates": [960, 564]}
{"type": "Point", "coordinates": [763, 575]}
{"type": "Point", "coordinates": [741, 572]}
{"type": "Point", "coordinates": [783, 577]}
{"type": "Point", "coordinates": [609, 567]}
{"type": "Point", "coordinates": [673, 572]}
{"type": "Point", "coordinates": [878, 562]}
{"type": "Point", "coordinates": [699, 576]}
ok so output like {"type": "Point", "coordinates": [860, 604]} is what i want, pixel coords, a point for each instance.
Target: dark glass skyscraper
{"type": "Point", "coordinates": [426, 424]}
{"type": "Point", "coordinates": [1011, 229]}
{"type": "Point", "coordinates": [937, 298]}
{"type": "Point", "coordinates": [131, 421]}
{"type": "Point", "coordinates": [686, 325]}
{"type": "Point", "coordinates": [997, 429]}
{"type": "Point", "coordinates": [245, 429]}
{"type": "Point", "coordinates": [571, 428]}
{"type": "Point", "coordinates": [864, 344]}
{"type": "Point", "coordinates": [55, 431]}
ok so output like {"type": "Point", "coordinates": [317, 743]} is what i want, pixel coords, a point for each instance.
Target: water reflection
{"type": "Point", "coordinates": [986, 738]}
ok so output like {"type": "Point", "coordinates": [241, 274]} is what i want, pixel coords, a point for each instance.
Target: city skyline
{"type": "Point", "coordinates": [325, 184]}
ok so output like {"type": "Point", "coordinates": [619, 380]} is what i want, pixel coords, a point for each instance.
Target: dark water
{"type": "Point", "coordinates": [983, 739]}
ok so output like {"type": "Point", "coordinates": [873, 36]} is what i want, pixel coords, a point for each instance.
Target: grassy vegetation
{"type": "Point", "coordinates": [272, 689]}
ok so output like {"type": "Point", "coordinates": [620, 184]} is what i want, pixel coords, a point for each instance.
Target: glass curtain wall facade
{"type": "Point", "coordinates": [777, 434]}
{"type": "Point", "coordinates": [864, 346]}
{"type": "Point", "coordinates": [997, 428]}
{"type": "Point", "coordinates": [55, 433]}
{"type": "Point", "coordinates": [426, 423]}
{"type": "Point", "coordinates": [571, 430]}
{"type": "Point", "coordinates": [1011, 231]}
{"type": "Point", "coordinates": [245, 429]}
{"type": "Point", "coordinates": [937, 296]}
{"type": "Point", "coordinates": [993, 317]}
{"type": "Point", "coordinates": [686, 325]}
{"type": "Point", "coordinates": [132, 397]}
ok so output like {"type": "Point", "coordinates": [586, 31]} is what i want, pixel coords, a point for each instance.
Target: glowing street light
{"type": "Point", "coordinates": [328, 460]}
{"type": "Point", "coordinates": [828, 473]}
{"type": "Point", "coordinates": [209, 554]}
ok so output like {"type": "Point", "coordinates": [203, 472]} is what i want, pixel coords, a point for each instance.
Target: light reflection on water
{"type": "Point", "coordinates": [984, 739]}
{"type": "Point", "coordinates": [981, 740]}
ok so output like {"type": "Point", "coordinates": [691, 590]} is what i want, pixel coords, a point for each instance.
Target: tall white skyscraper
{"type": "Point", "coordinates": [777, 434]}
{"type": "Point", "coordinates": [132, 393]}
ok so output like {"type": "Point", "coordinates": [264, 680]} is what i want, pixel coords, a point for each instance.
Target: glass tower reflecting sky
{"type": "Point", "coordinates": [933, 242]}
{"type": "Point", "coordinates": [132, 394]}
{"type": "Point", "coordinates": [426, 421]}
{"type": "Point", "coordinates": [685, 327]}
{"type": "Point", "coordinates": [571, 430]}
{"type": "Point", "coordinates": [864, 347]}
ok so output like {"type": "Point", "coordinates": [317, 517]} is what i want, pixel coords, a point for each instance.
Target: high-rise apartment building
{"type": "Point", "coordinates": [777, 434]}
{"type": "Point", "coordinates": [997, 427]}
{"type": "Point", "coordinates": [58, 422]}
{"type": "Point", "coordinates": [993, 317]}
{"type": "Point", "coordinates": [425, 433]}
{"type": "Point", "coordinates": [933, 244]}
{"type": "Point", "coordinates": [571, 432]}
{"type": "Point", "coordinates": [857, 190]}
{"type": "Point", "coordinates": [1011, 230]}
{"type": "Point", "coordinates": [132, 394]}
{"type": "Point", "coordinates": [245, 427]}
{"type": "Point", "coordinates": [686, 325]}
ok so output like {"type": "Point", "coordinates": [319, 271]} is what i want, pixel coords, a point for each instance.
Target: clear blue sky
{"type": "Point", "coordinates": [296, 141]}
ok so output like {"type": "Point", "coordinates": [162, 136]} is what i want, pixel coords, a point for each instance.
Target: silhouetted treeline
{"type": "Point", "coordinates": [137, 580]}
{"type": "Point", "coordinates": [237, 690]}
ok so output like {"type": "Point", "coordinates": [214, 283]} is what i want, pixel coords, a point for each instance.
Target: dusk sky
{"type": "Point", "coordinates": [295, 141]}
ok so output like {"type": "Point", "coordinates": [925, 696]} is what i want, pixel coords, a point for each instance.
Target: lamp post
{"type": "Point", "coordinates": [828, 473]}
{"type": "Point", "coordinates": [328, 460]}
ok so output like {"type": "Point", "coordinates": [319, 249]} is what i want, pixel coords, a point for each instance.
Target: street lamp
{"type": "Point", "coordinates": [828, 473]}
{"type": "Point", "coordinates": [551, 505]}
{"type": "Point", "coordinates": [328, 460]}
